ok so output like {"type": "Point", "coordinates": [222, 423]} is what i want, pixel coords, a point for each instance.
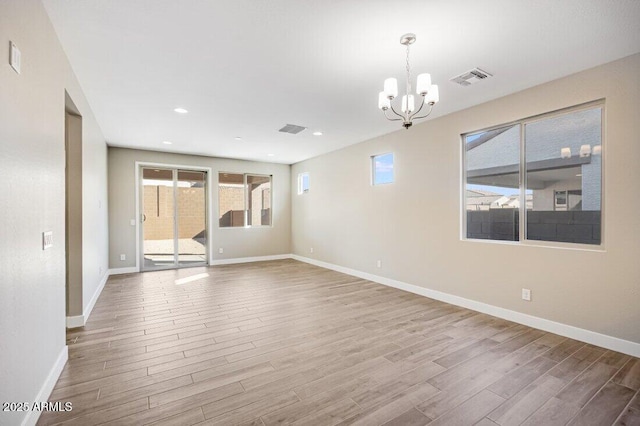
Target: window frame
{"type": "Point", "coordinates": [522, 214]}
{"type": "Point", "coordinates": [372, 162]}
{"type": "Point", "coordinates": [245, 200]}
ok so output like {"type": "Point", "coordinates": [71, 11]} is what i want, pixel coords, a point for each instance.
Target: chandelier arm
{"type": "Point", "coordinates": [419, 109]}
{"type": "Point", "coordinates": [396, 113]}
{"type": "Point", "coordinates": [389, 118]}
{"type": "Point", "coordinates": [427, 114]}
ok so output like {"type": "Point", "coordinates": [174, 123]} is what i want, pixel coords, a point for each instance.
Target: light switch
{"type": "Point", "coordinates": [15, 57]}
{"type": "Point", "coordinates": [47, 240]}
{"type": "Point", "coordinates": [133, 222]}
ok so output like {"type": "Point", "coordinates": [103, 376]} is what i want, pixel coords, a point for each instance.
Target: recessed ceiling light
{"type": "Point", "coordinates": [238, 138]}
{"type": "Point", "coordinates": [270, 155]}
{"type": "Point", "coordinates": [181, 110]}
{"type": "Point", "coordinates": [317, 133]}
{"type": "Point", "coordinates": [167, 142]}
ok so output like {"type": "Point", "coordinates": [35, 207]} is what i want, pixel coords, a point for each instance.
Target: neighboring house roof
{"type": "Point", "coordinates": [483, 201]}
{"type": "Point", "coordinates": [480, 193]}
{"type": "Point", "coordinates": [477, 198]}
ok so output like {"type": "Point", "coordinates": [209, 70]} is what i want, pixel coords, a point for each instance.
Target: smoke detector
{"type": "Point", "coordinates": [470, 77]}
{"type": "Point", "coordinates": [292, 128]}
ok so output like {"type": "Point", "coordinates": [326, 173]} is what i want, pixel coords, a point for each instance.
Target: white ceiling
{"type": "Point", "coordinates": [248, 67]}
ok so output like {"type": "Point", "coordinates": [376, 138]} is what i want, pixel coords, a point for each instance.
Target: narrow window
{"type": "Point", "coordinates": [564, 177]}
{"type": "Point", "coordinates": [382, 166]}
{"type": "Point", "coordinates": [258, 200]}
{"type": "Point", "coordinates": [303, 183]}
{"type": "Point", "coordinates": [231, 199]}
{"type": "Point", "coordinates": [493, 184]}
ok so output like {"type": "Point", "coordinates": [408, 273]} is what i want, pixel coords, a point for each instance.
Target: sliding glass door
{"type": "Point", "coordinates": [191, 202]}
{"type": "Point", "coordinates": [174, 212]}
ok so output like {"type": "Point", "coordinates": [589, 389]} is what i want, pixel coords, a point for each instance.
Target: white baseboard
{"type": "Point", "coordinates": [81, 320]}
{"type": "Point", "coordinates": [250, 259]}
{"type": "Point", "coordinates": [75, 321]}
{"type": "Point", "coordinates": [587, 336]}
{"type": "Point", "coordinates": [45, 391]}
{"type": "Point", "coordinates": [118, 271]}
{"type": "Point", "coordinates": [94, 298]}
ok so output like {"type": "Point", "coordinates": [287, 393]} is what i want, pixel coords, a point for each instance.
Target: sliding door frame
{"type": "Point", "coordinates": [139, 165]}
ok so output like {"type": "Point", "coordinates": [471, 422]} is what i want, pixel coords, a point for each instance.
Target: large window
{"type": "Point", "coordinates": [539, 179]}
{"type": "Point", "coordinates": [244, 200]}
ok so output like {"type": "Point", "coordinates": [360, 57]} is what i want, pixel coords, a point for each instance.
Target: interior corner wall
{"type": "Point", "coordinates": [414, 225]}
{"type": "Point", "coordinates": [32, 200]}
{"type": "Point", "coordinates": [237, 242]}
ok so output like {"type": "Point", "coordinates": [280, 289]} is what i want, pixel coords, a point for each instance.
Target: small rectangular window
{"type": "Point", "coordinates": [244, 200]}
{"type": "Point", "coordinates": [258, 200]}
{"type": "Point", "coordinates": [382, 166]}
{"type": "Point", "coordinates": [303, 183]}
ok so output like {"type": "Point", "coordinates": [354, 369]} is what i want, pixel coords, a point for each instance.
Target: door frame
{"type": "Point", "coordinates": [138, 217]}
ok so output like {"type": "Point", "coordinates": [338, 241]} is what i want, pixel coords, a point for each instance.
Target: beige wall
{"type": "Point", "coordinates": [413, 225]}
{"type": "Point", "coordinates": [236, 242]}
{"type": "Point", "coordinates": [32, 200]}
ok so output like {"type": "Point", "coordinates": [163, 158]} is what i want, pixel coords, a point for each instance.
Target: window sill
{"type": "Point", "coordinates": [541, 244]}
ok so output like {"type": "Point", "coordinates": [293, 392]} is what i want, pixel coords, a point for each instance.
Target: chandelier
{"type": "Point", "coordinates": [427, 91]}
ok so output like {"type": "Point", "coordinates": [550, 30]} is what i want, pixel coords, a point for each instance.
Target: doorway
{"type": "Point", "coordinates": [174, 218]}
{"type": "Point", "coordinates": [73, 214]}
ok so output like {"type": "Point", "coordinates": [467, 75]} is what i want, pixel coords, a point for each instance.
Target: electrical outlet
{"type": "Point", "coordinates": [379, 264]}
{"type": "Point", "coordinates": [526, 294]}
{"type": "Point", "coordinates": [311, 250]}
{"type": "Point", "coordinates": [123, 257]}
{"type": "Point", "coordinates": [220, 250]}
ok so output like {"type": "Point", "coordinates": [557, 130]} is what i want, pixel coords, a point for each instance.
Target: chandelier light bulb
{"type": "Point", "coordinates": [391, 88]}
{"type": "Point", "coordinates": [411, 107]}
{"type": "Point", "coordinates": [433, 96]}
{"type": "Point", "coordinates": [384, 103]}
{"type": "Point", "coordinates": [423, 84]}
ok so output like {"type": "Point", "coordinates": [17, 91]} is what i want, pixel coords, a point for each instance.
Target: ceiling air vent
{"type": "Point", "coordinates": [292, 128]}
{"type": "Point", "coordinates": [470, 77]}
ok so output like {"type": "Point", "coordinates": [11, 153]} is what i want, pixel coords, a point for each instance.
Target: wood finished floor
{"type": "Point", "coordinates": [284, 342]}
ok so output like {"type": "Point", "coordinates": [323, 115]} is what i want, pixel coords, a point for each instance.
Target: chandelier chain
{"type": "Point", "coordinates": [408, 73]}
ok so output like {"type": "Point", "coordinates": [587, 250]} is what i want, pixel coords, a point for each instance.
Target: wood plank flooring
{"type": "Point", "coordinates": [284, 342]}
